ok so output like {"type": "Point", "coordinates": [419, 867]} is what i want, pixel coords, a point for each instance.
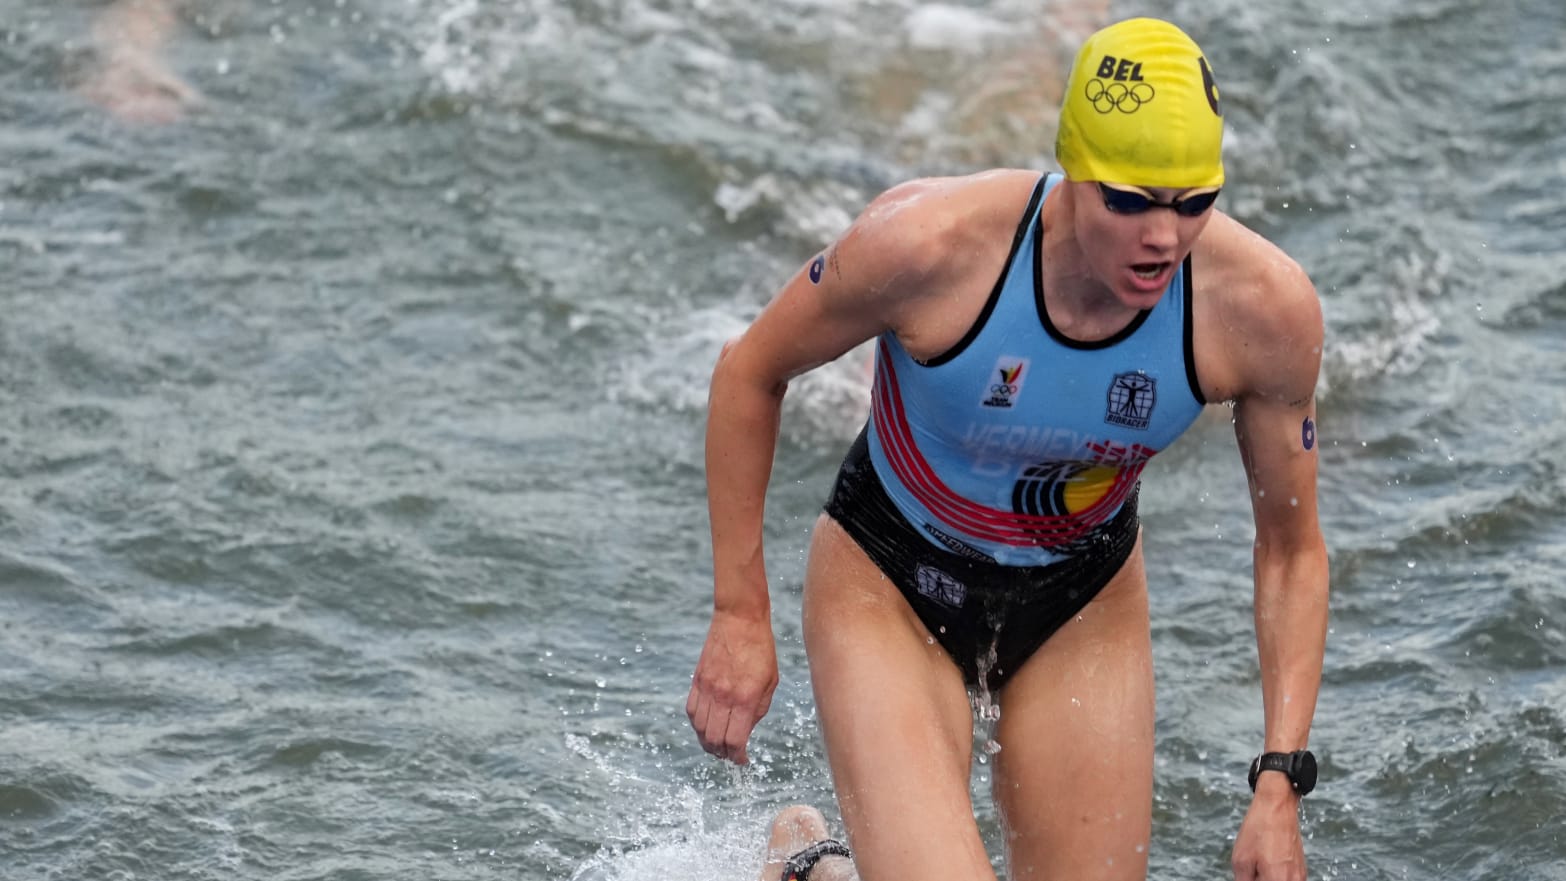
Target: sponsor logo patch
{"type": "Point", "coordinates": [1131, 398]}
{"type": "Point", "coordinates": [1005, 382]}
{"type": "Point", "coordinates": [940, 587]}
{"type": "Point", "coordinates": [957, 546]}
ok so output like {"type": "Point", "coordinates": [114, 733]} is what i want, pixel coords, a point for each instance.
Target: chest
{"type": "Point", "coordinates": [1015, 396]}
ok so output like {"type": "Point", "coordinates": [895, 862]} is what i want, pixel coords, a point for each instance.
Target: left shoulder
{"type": "Point", "coordinates": [1258, 311]}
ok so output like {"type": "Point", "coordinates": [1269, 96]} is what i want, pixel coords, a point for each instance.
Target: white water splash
{"type": "Point", "coordinates": [1399, 344]}
{"type": "Point", "coordinates": [728, 854]}
{"type": "Point", "coordinates": [986, 709]}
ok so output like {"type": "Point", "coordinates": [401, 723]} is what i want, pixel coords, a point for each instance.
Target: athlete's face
{"type": "Point", "coordinates": [1136, 237]}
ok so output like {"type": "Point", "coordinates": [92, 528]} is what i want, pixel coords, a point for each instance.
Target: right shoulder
{"type": "Point", "coordinates": [912, 252]}
{"type": "Point", "coordinates": [926, 234]}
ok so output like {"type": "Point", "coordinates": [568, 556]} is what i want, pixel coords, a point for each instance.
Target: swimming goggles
{"type": "Point", "coordinates": [1131, 200]}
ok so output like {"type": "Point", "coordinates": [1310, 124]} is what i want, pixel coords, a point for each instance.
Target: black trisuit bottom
{"type": "Point", "coordinates": [990, 618]}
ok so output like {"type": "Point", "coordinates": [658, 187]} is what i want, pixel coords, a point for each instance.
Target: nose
{"type": "Point", "coordinates": [1161, 229]}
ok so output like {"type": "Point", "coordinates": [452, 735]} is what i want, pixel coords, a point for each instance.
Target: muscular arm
{"type": "Point", "coordinates": [1290, 562]}
{"type": "Point", "coordinates": [853, 291]}
{"type": "Point", "coordinates": [1275, 424]}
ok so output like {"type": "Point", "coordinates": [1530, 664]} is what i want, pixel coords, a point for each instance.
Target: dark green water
{"type": "Point", "coordinates": [352, 520]}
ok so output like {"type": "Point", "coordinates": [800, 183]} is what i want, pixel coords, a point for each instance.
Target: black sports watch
{"type": "Point", "coordinates": [1299, 766]}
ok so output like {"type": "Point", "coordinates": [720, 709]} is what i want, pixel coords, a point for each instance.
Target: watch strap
{"type": "Point", "coordinates": [1299, 766]}
{"type": "Point", "coordinates": [799, 865]}
{"type": "Point", "coordinates": [1273, 762]}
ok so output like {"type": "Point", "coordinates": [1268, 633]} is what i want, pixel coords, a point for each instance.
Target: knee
{"type": "Point", "coordinates": [801, 823]}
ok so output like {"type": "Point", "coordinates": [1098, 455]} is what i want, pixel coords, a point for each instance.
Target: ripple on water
{"type": "Point", "coordinates": [24, 804]}
{"type": "Point", "coordinates": [1544, 309]}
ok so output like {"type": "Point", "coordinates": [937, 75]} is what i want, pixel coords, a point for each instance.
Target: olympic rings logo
{"type": "Point", "coordinates": [1106, 97]}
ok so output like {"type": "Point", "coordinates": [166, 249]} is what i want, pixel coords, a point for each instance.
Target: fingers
{"type": "Point", "coordinates": [733, 685]}
{"type": "Point", "coordinates": [1252, 867]}
{"type": "Point", "coordinates": [723, 729]}
{"type": "Point", "coordinates": [736, 733]}
{"type": "Point", "coordinates": [724, 732]}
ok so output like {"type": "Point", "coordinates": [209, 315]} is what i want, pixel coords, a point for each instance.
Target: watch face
{"type": "Point", "coordinates": [1303, 772]}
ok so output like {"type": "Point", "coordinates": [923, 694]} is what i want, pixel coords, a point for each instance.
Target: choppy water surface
{"type": "Point", "coordinates": [352, 522]}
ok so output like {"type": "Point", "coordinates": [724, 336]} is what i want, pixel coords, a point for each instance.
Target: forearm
{"type": "Point", "coordinates": [743, 415]}
{"type": "Point", "coordinates": [1291, 635]}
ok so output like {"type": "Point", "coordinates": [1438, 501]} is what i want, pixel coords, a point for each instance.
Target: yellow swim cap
{"type": "Point", "coordinates": [1141, 108]}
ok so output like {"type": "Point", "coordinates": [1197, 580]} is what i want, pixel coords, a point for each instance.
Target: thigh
{"type": "Point", "coordinates": [895, 718]}
{"type": "Point", "coordinates": [1074, 777]}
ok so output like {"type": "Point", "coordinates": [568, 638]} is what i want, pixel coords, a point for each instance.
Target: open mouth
{"type": "Point", "coordinates": [1148, 271]}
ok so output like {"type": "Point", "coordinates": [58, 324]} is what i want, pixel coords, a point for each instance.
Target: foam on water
{"type": "Point", "coordinates": [938, 26]}
{"type": "Point", "coordinates": [729, 854]}
{"type": "Point", "coordinates": [674, 370]}
{"type": "Point", "coordinates": [663, 827]}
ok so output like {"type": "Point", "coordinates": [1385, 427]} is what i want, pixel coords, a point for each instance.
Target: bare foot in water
{"type": "Point", "coordinates": [795, 828]}
{"type": "Point", "coordinates": [131, 79]}
{"type": "Point", "coordinates": [139, 89]}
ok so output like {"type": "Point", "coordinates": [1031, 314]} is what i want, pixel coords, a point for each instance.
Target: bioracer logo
{"type": "Point", "coordinates": [1131, 399]}
{"type": "Point", "coordinates": [1006, 382]}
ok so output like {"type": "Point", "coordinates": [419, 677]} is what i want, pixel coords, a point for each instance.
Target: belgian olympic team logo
{"type": "Point", "coordinates": [1005, 382]}
{"type": "Point", "coordinates": [1124, 97]}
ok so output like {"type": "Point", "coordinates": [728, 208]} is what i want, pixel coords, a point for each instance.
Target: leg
{"type": "Point", "coordinates": [1074, 777]}
{"type": "Point", "coordinates": [795, 828]}
{"type": "Point", "coordinates": [896, 721]}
